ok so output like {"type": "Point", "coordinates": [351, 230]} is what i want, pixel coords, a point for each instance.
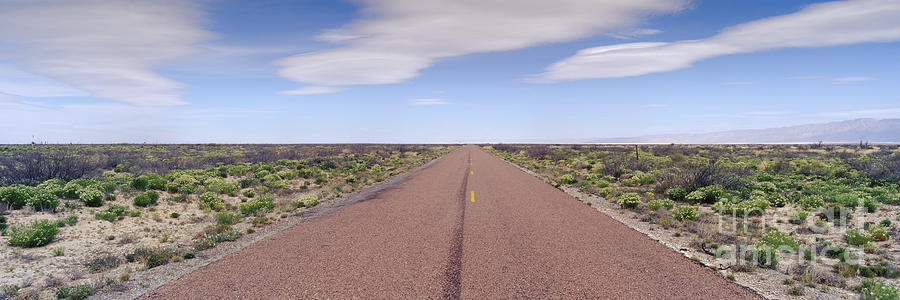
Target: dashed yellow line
{"type": "Point", "coordinates": [473, 196]}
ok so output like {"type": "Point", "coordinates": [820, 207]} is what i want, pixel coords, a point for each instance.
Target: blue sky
{"type": "Point", "coordinates": [231, 71]}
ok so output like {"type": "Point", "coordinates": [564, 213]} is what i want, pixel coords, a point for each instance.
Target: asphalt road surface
{"type": "Point", "coordinates": [471, 226]}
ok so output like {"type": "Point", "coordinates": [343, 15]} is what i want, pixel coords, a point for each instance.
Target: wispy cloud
{"type": "Point", "coordinates": [654, 105]}
{"type": "Point", "coordinates": [429, 101]}
{"type": "Point", "coordinates": [855, 79]}
{"type": "Point", "coordinates": [863, 113]}
{"type": "Point", "coordinates": [634, 33]}
{"type": "Point", "coordinates": [311, 90]}
{"type": "Point", "coordinates": [396, 39]}
{"type": "Point", "coordinates": [818, 25]}
{"type": "Point", "coordinates": [106, 48]}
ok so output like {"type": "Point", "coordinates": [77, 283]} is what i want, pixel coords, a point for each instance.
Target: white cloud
{"type": "Point", "coordinates": [311, 90]}
{"type": "Point", "coordinates": [106, 48]}
{"type": "Point", "coordinates": [852, 79]}
{"type": "Point", "coordinates": [396, 39]}
{"type": "Point", "coordinates": [634, 33]}
{"type": "Point", "coordinates": [429, 101]}
{"type": "Point", "coordinates": [818, 25]}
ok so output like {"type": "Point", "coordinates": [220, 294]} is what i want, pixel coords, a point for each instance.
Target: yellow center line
{"type": "Point", "coordinates": [473, 196]}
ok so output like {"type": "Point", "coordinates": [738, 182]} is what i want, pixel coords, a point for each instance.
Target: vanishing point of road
{"type": "Point", "coordinates": [470, 226]}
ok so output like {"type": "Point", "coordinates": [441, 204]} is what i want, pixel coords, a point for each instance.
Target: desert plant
{"type": "Point", "coordinates": [58, 250]}
{"type": "Point", "coordinates": [211, 201]}
{"type": "Point", "coordinates": [248, 192]}
{"type": "Point", "coordinates": [676, 193]}
{"type": "Point", "coordinates": [567, 179]}
{"type": "Point", "coordinates": [307, 200]}
{"type": "Point", "coordinates": [75, 292]}
{"type": "Point", "coordinates": [629, 200]}
{"type": "Point", "coordinates": [878, 290]}
{"type": "Point", "coordinates": [16, 196]}
{"type": "Point", "coordinates": [103, 263]}
{"type": "Point", "coordinates": [147, 198]}
{"type": "Point", "coordinates": [227, 218]}
{"type": "Point", "coordinates": [257, 205]}
{"type": "Point", "coordinates": [684, 213]}
{"type": "Point", "coordinates": [43, 200]}
{"type": "Point", "coordinates": [878, 233]}
{"type": "Point", "coordinates": [660, 204]}
{"type": "Point", "coordinates": [856, 237]}
{"type": "Point", "coordinates": [91, 197]}
{"type": "Point", "coordinates": [36, 234]}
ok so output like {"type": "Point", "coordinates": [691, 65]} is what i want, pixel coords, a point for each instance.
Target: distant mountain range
{"type": "Point", "coordinates": [851, 131]}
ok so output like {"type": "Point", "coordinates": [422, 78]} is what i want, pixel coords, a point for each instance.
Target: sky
{"type": "Point", "coordinates": [428, 71]}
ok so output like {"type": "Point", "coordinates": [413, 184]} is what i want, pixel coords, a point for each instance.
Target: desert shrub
{"type": "Point", "coordinates": [811, 202]}
{"type": "Point", "coordinates": [661, 204]}
{"type": "Point", "coordinates": [273, 181]}
{"type": "Point", "coordinates": [878, 233]}
{"type": "Point", "coordinates": [151, 258]}
{"type": "Point", "coordinates": [140, 183]}
{"type": "Point", "coordinates": [762, 255]}
{"type": "Point", "coordinates": [43, 200]}
{"type": "Point", "coordinates": [70, 221]}
{"type": "Point", "coordinates": [222, 187]}
{"type": "Point", "coordinates": [878, 290]}
{"type": "Point", "coordinates": [16, 196]}
{"type": "Point", "coordinates": [695, 197]}
{"type": "Point", "coordinates": [102, 263]}
{"type": "Point", "coordinates": [878, 270]}
{"type": "Point", "coordinates": [780, 240]}
{"type": "Point", "coordinates": [629, 200]}
{"type": "Point", "coordinates": [677, 193]}
{"type": "Point", "coordinates": [567, 179]}
{"type": "Point", "coordinates": [856, 237]}
{"type": "Point", "coordinates": [147, 198]}
{"type": "Point", "coordinates": [155, 182]}
{"type": "Point", "coordinates": [91, 197]}
{"type": "Point", "coordinates": [684, 213]}
{"type": "Point", "coordinates": [214, 239]}
{"type": "Point", "coordinates": [306, 173]}
{"type": "Point", "coordinates": [777, 200]}
{"type": "Point", "coordinates": [227, 218]}
{"type": "Point", "coordinates": [249, 193]}
{"type": "Point", "coordinates": [307, 200]}
{"type": "Point", "coordinates": [211, 201]}
{"type": "Point", "coordinates": [75, 292]}
{"type": "Point", "coordinates": [257, 205]}
{"type": "Point", "coordinates": [870, 204]}
{"type": "Point", "coordinates": [36, 234]}
{"type": "Point", "coordinates": [885, 223]}
{"type": "Point", "coordinates": [106, 216]}
{"type": "Point", "coordinates": [55, 186]}
{"type": "Point", "coordinates": [744, 208]}
{"type": "Point", "coordinates": [836, 214]}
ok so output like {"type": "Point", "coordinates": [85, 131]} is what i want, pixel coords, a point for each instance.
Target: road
{"type": "Point", "coordinates": [518, 237]}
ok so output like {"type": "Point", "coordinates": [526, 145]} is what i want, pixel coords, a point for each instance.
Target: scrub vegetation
{"type": "Point", "coordinates": [820, 216]}
{"type": "Point", "coordinates": [76, 219]}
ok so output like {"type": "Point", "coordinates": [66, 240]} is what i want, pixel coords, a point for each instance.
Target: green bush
{"type": "Point", "coordinates": [140, 183]}
{"type": "Point", "coordinates": [677, 193]}
{"type": "Point", "coordinates": [629, 200]}
{"type": "Point", "coordinates": [155, 182]}
{"type": "Point", "coordinates": [91, 197]}
{"type": "Point", "coordinates": [249, 193]}
{"type": "Point", "coordinates": [878, 233]}
{"type": "Point", "coordinates": [660, 204]}
{"type": "Point", "coordinates": [567, 179]}
{"type": "Point", "coordinates": [16, 196]}
{"type": "Point", "coordinates": [75, 292]}
{"type": "Point", "coordinates": [146, 199]}
{"type": "Point", "coordinates": [70, 221]}
{"type": "Point", "coordinates": [227, 218]}
{"type": "Point", "coordinates": [43, 200]}
{"type": "Point", "coordinates": [55, 186]}
{"type": "Point", "coordinates": [151, 258]}
{"type": "Point", "coordinates": [38, 233]}
{"type": "Point", "coordinates": [870, 204]}
{"type": "Point", "coordinates": [211, 201]}
{"type": "Point", "coordinates": [256, 205]}
{"type": "Point", "coordinates": [106, 216]}
{"type": "Point", "coordinates": [811, 202]}
{"type": "Point", "coordinates": [695, 197]}
{"type": "Point", "coordinates": [856, 237]}
{"type": "Point", "coordinates": [307, 200]}
{"type": "Point", "coordinates": [878, 290]}
{"type": "Point", "coordinates": [684, 213]}
{"type": "Point", "coordinates": [780, 240]}
{"type": "Point", "coordinates": [763, 255]}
